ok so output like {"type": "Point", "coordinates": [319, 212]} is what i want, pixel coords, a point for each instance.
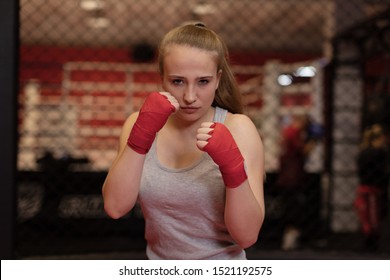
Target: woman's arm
{"type": "Point", "coordinates": [237, 149]}
{"type": "Point", "coordinates": [244, 209]}
{"type": "Point", "coordinates": [120, 189]}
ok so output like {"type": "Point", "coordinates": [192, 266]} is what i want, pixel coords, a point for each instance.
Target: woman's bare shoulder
{"type": "Point", "coordinates": [244, 132]}
{"type": "Point", "coordinates": [239, 123]}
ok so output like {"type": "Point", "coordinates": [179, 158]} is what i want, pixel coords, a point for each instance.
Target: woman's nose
{"type": "Point", "coordinates": [189, 95]}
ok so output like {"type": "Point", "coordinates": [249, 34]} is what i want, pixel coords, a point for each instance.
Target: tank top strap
{"type": "Point", "coordinates": [220, 115]}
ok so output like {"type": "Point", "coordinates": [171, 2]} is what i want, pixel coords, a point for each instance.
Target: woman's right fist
{"type": "Point", "coordinates": [171, 99]}
{"type": "Point", "coordinates": [154, 113]}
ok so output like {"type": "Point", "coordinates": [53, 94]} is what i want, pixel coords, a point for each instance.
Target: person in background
{"type": "Point", "coordinates": [190, 157]}
{"type": "Point", "coordinates": [371, 194]}
{"type": "Point", "coordinates": [297, 142]}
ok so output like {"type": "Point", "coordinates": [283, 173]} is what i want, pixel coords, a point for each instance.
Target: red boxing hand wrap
{"type": "Point", "coordinates": [224, 151]}
{"type": "Point", "coordinates": [153, 115]}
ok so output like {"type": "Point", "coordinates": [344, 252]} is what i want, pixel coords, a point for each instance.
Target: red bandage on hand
{"type": "Point", "coordinates": [153, 115]}
{"type": "Point", "coordinates": [224, 151]}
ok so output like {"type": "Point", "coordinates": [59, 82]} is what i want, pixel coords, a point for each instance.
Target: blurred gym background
{"type": "Point", "coordinates": [84, 65]}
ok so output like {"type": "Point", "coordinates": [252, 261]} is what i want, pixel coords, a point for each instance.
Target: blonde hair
{"type": "Point", "coordinates": [227, 95]}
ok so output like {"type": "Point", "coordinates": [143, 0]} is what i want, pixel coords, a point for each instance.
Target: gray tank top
{"type": "Point", "coordinates": [184, 209]}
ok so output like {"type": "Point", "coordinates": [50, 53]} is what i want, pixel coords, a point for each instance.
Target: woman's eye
{"type": "Point", "coordinates": [203, 82]}
{"type": "Point", "coordinates": [177, 82]}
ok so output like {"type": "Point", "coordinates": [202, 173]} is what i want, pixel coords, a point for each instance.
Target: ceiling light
{"type": "Point", "coordinates": [285, 80]}
{"type": "Point", "coordinates": [91, 5]}
{"type": "Point", "coordinates": [98, 22]}
{"type": "Point", "coordinates": [203, 9]}
{"type": "Point", "coordinates": [306, 71]}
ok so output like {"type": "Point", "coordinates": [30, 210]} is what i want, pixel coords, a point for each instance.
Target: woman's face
{"type": "Point", "coordinates": [191, 76]}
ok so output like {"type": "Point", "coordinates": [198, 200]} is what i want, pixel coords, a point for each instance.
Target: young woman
{"type": "Point", "coordinates": [194, 163]}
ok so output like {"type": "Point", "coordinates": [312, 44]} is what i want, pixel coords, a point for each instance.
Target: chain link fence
{"type": "Point", "coordinates": [85, 65]}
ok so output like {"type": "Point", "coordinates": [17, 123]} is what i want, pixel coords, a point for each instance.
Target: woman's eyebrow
{"type": "Point", "coordinates": [182, 77]}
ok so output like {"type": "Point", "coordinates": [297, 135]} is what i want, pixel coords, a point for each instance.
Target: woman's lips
{"type": "Point", "coordinates": [189, 110]}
